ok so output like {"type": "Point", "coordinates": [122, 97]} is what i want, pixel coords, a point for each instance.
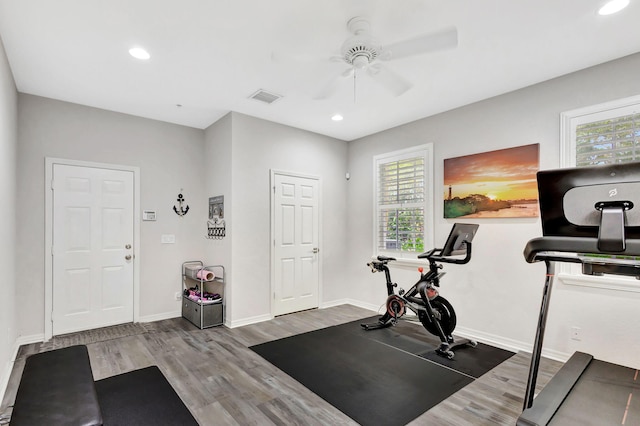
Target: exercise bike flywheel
{"type": "Point", "coordinates": [445, 315]}
{"type": "Point", "coordinates": [395, 306]}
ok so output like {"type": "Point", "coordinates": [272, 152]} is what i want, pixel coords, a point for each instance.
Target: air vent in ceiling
{"type": "Point", "coordinates": [264, 96]}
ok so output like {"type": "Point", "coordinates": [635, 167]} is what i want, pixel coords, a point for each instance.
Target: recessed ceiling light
{"type": "Point", "coordinates": [613, 6]}
{"type": "Point", "coordinates": [139, 53]}
{"type": "Point", "coordinates": [337, 117]}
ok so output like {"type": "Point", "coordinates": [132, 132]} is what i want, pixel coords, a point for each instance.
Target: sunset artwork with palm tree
{"type": "Point", "coordinates": [492, 184]}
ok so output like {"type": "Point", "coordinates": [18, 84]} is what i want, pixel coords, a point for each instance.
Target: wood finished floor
{"type": "Point", "coordinates": [223, 382]}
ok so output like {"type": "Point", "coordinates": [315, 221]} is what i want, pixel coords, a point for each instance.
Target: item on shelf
{"type": "Point", "coordinates": [199, 272]}
{"type": "Point", "coordinates": [194, 294]}
{"type": "Point", "coordinates": [203, 274]}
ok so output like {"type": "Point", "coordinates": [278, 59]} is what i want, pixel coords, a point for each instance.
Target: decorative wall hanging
{"type": "Point", "coordinates": [492, 184]}
{"type": "Point", "coordinates": [216, 228]}
{"type": "Point", "coordinates": [180, 210]}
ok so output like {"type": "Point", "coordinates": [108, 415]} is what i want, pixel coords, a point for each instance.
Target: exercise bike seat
{"type": "Point", "coordinates": [385, 258]}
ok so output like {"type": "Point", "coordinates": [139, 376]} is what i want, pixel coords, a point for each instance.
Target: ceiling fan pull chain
{"type": "Point", "coordinates": [354, 85]}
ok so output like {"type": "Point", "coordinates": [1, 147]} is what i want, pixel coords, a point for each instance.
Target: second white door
{"type": "Point", "coordinates": [296, 243]}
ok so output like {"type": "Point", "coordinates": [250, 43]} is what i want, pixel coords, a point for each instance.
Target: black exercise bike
{"type": "Point", "coordinates": [434, 311]}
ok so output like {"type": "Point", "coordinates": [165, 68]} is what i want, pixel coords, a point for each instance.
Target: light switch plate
{"type": "Point", "coordinates": [168, 239]}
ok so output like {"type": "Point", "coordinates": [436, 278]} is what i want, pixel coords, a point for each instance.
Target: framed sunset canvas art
{"type": "Point", "coordinates": [492, 184]}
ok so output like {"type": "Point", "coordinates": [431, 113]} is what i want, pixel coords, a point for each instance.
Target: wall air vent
{"type": "Point", "coordinates": [264, 96]}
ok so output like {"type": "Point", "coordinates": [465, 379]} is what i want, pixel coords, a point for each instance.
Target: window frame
{"type": "Point", "coordinates": [571, 274]}
{"type": "Point", "coordinates": [569, 120]}
{"type": "Point", "coordinates": [426, 151]}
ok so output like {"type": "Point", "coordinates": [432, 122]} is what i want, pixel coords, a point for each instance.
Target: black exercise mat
{"type": "Point", "coordinates": [371, 382]}
{"type": "Point", "coordinates": [414, 339]}
{"type": "Point", "coordinates": [141, 397]}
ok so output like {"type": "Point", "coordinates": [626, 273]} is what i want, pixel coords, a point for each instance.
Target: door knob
{"type": "Point", "coordinates": [128, 257]}
{"type": "Point", "coordinates": [128, 246]}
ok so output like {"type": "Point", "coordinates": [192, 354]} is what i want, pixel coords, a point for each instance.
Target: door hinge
{"type": "Point", "coordinates": [52, 184]}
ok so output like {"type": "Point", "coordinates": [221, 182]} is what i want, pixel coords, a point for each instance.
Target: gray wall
{"type": "Point", "coordinates": [218, 174]}
{"type": "Point", "coordinates": [497, 295]}
{"type": "Point", "coordinates": [170, 160]}
{"type": "Point", "coordinates": [259, 146]}
{"type": "Point", "coordinates": [8, 147]}
{"type": "Point", "coordinates": [231, 158]}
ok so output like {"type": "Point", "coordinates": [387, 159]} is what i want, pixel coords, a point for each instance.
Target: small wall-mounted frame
{"type": "Point", "coordinates": [216, 207]}
{"type": "Point", "coordinates": [149, 215]}
{"type": "Point", "coordinates": [215, 224]}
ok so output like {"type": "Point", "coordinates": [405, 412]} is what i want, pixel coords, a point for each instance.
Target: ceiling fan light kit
{"type": "Point", "coordinates": [361, 49]}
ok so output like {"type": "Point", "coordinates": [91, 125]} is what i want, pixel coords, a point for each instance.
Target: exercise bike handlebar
{"type": "Point", "coordinates": [436, 255]}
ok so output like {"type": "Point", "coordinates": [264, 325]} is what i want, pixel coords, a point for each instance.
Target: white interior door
{"type": "Point", "coordinates": [296, 243]}
{"type": "Point", "coordinates": [92, 248]}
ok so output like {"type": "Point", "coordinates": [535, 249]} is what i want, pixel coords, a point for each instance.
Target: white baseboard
{"type": "Point", "coordinates": [356, 303]}
{"type": "Point", "coordinates": [508, 344]}
{"type": "Point", "coordinates": [333, 303]}
{"type": "Point", "coordinates": [27, 340]}
{"type": "Point", "coordinates": [324, 305]}
{"type": "Point", "coordinates": [160, 317]}
{"type": "Point", "coordinates": [248, 321]}
{"type": "Point", "coordinates": [8, 368]}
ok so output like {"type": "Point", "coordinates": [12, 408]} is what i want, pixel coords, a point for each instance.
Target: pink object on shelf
{"type": "Point", "coordinates": [206, 275]}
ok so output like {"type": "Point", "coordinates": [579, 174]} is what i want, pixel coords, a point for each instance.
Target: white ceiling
{"type": "Point", "coordinates": [210, 55]}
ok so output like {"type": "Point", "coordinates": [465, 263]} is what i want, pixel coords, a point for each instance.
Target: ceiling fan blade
{"type": "Point", "coordinates": [332, 86]}
{"type": "Point", "coordinates": [392, 81]}
{"type": "Point", "coordinates": [444, 39]}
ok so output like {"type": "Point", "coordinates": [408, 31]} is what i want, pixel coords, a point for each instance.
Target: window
{"type": "Point", "coordinates": [403, 202]}
{"type": "Point", "coordinates": [601, 134]}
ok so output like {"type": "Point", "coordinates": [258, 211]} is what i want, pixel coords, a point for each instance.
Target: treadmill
{"type": "Point", "coordinates": [590, 216]}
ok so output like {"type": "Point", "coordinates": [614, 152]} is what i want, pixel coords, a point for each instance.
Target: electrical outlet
{"type": "Point", "coordinates": [576, 333]}
{"type": "Point", "coordinates": [167, 239]}
{"type": "Point", "coordinates": [178, 295]}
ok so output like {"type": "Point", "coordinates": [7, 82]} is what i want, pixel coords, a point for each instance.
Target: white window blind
{"type": "Point", "coordinates": [402, 194]}
{"type": "Point", "coordinates": [401, 205]}
{"type": "Point", "coordinates": [614, 140]}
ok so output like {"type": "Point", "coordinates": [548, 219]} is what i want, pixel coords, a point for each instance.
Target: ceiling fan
{"type": "Point", "coordinates": [362, 53]}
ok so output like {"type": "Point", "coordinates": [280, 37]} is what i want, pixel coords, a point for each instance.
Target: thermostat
{"type": "Point", "coordinates": [148, 215]}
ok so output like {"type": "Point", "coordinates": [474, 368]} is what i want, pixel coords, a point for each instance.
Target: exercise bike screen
{"type": "Point", "coordinates": [460, 233]}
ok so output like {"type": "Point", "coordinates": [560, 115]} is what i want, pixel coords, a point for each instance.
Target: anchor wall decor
{"type": "Point", "coordinates": [180, 211]}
